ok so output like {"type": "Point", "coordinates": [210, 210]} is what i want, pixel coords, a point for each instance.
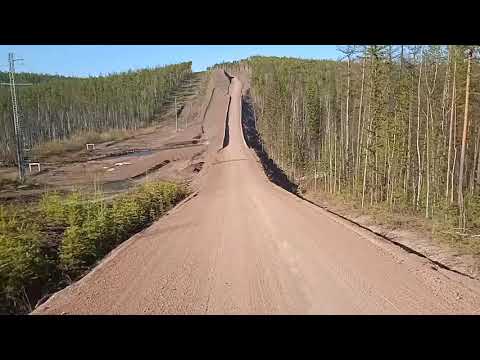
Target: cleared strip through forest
{"type": "Point", "coordinates": [390, 127]}
{"type": "Point", "coordinates": [56, 108]}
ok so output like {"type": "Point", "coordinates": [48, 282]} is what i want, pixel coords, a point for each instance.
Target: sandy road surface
{"type": "Point", "coordinates": [245, 246]}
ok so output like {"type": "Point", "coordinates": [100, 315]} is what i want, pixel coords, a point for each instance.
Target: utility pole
{"type": "Point", "coordinates": [176, 115]}
{"type": "Point", "coordinates": [186, 117]}
{"type": "Point", "coordinates": [17, 123]}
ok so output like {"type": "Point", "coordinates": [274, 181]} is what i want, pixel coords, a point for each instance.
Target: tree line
{"type": "Point", "coordinates": [391, 125]}
{"type": "Point", "coordinates": [57, 107]}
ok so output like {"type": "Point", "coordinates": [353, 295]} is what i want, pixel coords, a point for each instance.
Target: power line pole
{"type": "Point", "coordinates": [186, 117]}
{"type": "Point", "coordinates": [176, 115]}
{"type": "Point", "coordinates": [17, 123]}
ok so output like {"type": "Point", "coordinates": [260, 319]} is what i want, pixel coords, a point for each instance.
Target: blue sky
{"type": "Point", "coordinates": [85, 60]}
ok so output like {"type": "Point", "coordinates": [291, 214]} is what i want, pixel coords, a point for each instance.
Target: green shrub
{"type": "Point", "coordinates": [169, 193]}
{"type": "Point", "coordinates": [22, 262]}
{"type": "Point", "coordinates": [52, 208]}
{"type": "Point", "coordinates": [100, 228]}
{"type": "Point", "coordinates": [93, 227]}
{"type": "Point", "coordinates": [71, 210]}
{"type": "Point", "coordinates": [128, 215]}
{"type": "Point", "coordinates": [89, 236]}
{"type": "Point", "coordinates": [96, 228]}
{"type": "Point", "coordinates": [77, 251]}
{"type": "Point", "coordinates": [76, 209]}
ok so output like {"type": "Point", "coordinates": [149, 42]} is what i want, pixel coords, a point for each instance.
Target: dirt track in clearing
{"type": "Point", "coordinates": [159, 152]}
{"type": "Point", "coordinates": [242, 245]}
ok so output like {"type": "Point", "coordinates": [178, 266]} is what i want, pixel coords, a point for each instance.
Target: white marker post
{"type": "Point", "coordinates": [90, 147]}
{"type": "Point", "coordinates": [34, 164]}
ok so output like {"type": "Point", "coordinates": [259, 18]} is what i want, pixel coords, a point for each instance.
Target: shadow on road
{"type": "Point", "coordinates": [252, 138]}
{"type": "Point", "coordinates": [226, 137]}
{"type": "Point", "coordinates": [230, 77]}
{"type": "Point", "coordinates": [278, 177]}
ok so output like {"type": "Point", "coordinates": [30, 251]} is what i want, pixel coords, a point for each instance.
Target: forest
{"type": "Point", "coordinates": [396, 126]}
{"type": "Point", "coordinates": [55, 108]}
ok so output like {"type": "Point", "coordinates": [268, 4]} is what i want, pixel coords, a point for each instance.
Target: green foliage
{"type": "Point", "coordinates": [76, 209]}
{"type": "Point", "coordinates": [52, 209]}
{"type": "Point", "coordinates": [99, 228]}
{"type": "Point", "coordinates": [71, 210]}
{"type": "Point", "coordinates": [127, 215]}
{"type": "Point", "coordinates": [95, 228]}
{"type": "Point", "coordinates": [88, 237]}
{"type": "Point", "coordinates": [22, 263]}
{"type": "Point", "coordinates": [91, 228]}
{"type": "Point", "coordinates": [77, 251]}
{"type": "Point", "coordinates": [32, 78]}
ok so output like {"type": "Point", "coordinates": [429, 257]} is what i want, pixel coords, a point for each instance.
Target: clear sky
{"type": "Point", "coordinates": [85, 60]}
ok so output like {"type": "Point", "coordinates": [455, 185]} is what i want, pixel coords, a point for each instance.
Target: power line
{"type": "Point", "coordinates": [17, 122]}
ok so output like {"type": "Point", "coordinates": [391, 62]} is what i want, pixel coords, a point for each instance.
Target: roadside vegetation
{"type": "Point", "coordinates": [393, 129]}
{"type": "Point", "coordinates": [46, 246]}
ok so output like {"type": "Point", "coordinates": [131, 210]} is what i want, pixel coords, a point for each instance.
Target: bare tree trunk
{"type": "Point", "coordinates": [293, 139]}
{"type": "Point", "coordinates": [449, 156]}
{"type": "Point", "coordinates": [341, 160]}
{"type": "Point", "coordinates": [335, 160]}
{"type": "Point", "coordinates": [390, 180]}
{"type": "Point", "coordinates": [429, 119]}
{"type": "Point", "coordinates": [328, 135]}
{"type": "Point", "coordinates": [478, 163]}
{"type": "Point", "coordinates": [409, 145]}
{"type": "Point", "coordinates": [376, 170]}
{"type": "Point", "coordinates": [283, 142]}
{"type": "Point", "coordinates": [419, 179]}
{"type": "Point", "coordinates": [365, 163]}
{"type": "Point", "coordinates": [347, 135]}
{"type": "Point", "coordinates": [475, 157]}
{"type": "Point", "coordinates": [454, 153]}
{"type": "Point", "coordinates": [427, 160]}
{"type": "Point", "coordinates": [360, 128]}
{"type": "Point", "coordinates": [461, 202]}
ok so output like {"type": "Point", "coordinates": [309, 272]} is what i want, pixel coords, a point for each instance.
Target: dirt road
{"type": "Point", "coordinates": [243, 245]}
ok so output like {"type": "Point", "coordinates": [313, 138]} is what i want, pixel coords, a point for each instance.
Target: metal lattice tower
{"type": "Point", "coordinates": [16, 119]}
{"type": "Point", "coordinates": [19, 133]}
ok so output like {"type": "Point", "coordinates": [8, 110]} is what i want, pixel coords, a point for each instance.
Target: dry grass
{"type": "Point", "coordinates": [389, 219]}
{"type": "Point", "coordinates": [464, 245]}
{"type": "Point", "coordinates": [78, 142]}
{"type": "Point", "coordinates": [439, 228]}
{"type": "Point", "coordinates": [6, 183]}
{"type": "Point", "coordinates": [465, 242]}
